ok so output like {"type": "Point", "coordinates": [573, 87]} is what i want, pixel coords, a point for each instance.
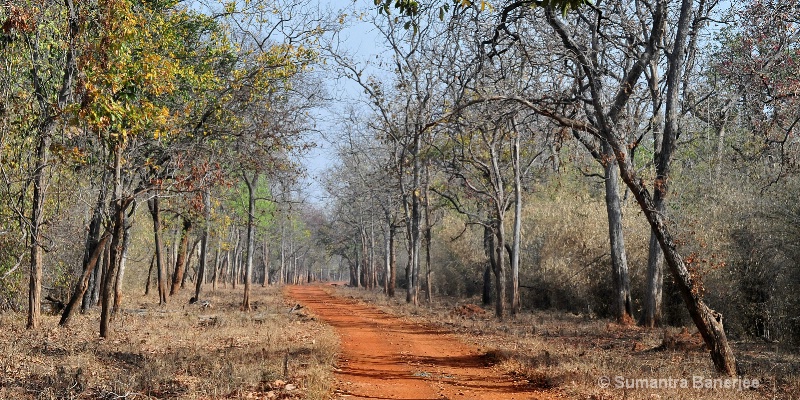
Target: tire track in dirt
{"type": "Point", "coordinates": [386, 357]}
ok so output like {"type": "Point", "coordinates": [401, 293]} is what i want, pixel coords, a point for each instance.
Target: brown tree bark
{"type": "Point", "coordinates": [117, 238]}
{"type": "Point", "coordinates": [149, 275]}
{"type": "Point", "coordinates": [83, 282]}
{"type": "Point", "coordinates": [189, 256]}
{"type": "Point", "coordinates": [488, 249]}
{"type": "Point", "coordinates": [45, 127]}
{"type": "Point", "coordinates": [180, 262]}
{"type": "Point", "coordinates": [155, 211]}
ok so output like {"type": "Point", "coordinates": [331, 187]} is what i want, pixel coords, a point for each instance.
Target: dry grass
{"type": "Point", "coordinates": [180, 351]}
{"type": "Point", "coordinates": [570, 353]}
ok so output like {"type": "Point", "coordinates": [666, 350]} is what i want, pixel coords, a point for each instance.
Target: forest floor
{"type": "Point", "coordinates": [345, 343]}
{"type": "Point", "coordinates": [458, 350]}
{"type": "Point", "coordinates": [179, 351]}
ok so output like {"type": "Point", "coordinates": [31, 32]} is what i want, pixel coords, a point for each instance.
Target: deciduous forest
{"type": "Point", "coordinates": [574, 189]}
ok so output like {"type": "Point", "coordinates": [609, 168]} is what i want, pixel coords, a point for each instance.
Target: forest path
{"type": "Point", "coordinates": [387, 357]}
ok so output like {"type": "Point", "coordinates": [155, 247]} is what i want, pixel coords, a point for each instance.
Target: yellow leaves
{"type": "Point", "coordinates": [230, 7]}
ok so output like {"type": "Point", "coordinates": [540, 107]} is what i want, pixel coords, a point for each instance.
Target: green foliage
{"type": "Point", "coordinates": [265, 209]}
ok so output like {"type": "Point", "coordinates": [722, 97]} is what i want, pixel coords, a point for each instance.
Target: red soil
{"type": "Point", "coordinates": [386, 357]}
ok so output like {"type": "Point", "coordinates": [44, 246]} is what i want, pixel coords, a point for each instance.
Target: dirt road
{"type": "Point", "coordinates": [386, 357]}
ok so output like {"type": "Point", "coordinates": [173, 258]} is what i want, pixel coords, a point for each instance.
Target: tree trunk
{"type": "Point", "coordinates": [88, 297]}
{"type": "Point", "coordinates": [126, 239]}
{"type": "Point", "coordinates": [364, 271]}
{"type": "Point", "coordinates": [516, 305]}
{"type": "Point", "coordinates": [251, 227]}
{"type": "Point", "coordinates": [282, 272]}
{"type": "Point", "coordinates": [100, 274]}
{"type": "Point", "coordinates": [149, 275]}
{"type": "Point", "coordinates": [201, 268]}
{"type": "Point", "coordinates": [234, 264]}
{"type": "Point", "coordinates": [427, 236]}
{"type": "Point", "coordinates": [622, 304]}
{"type": "Point", "coordinates": [223, 269]}
{"type": "Point", "coordinates": [392, 262]}
{"type": "Point", "coordinates": [359, 261]}
{"type": "Point", "coordinates": [92, 240]}
{"type": "Point", "coordinates": [655, 280]}
{"type": "Point", "coordinates": [180, 261]}
{"type": "Point", "coordinates": [651, 316]}
{"type": "Point", "coordinates": [217, 266]}
{"type": "Point", "coordinates": [83, 282]}
{"type": "Point", "coordinates": [155, 212]}
{"type": "Point", "coordinates": [189, 256]}
{"type": "Point", "coordinates": [500, 270]}
{"type": "Point", "coordinates": [373, 269]}
{"type": "Point", "coordinates": [416, 217]}
{"type": "Point", "coordinates": [117, 239]}
{"type": "Point", "coordinates": [387, 255]}
{"type": "Point", "coordinates": [708, 322]}
{"type": "Point", "coordinates": [37, 226]}
{"type": "Point", "coordinates": [664, 157]}
{"type": "Point", "coordinates": [488, 249]}
{"type": "Point", "coordinates": [46, 125]}
{"type": "Point", "coordinates": [266, 262]}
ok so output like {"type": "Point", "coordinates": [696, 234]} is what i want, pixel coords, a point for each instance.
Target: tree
{"type": "Point", "coordinates": [603, 123]}
{"type": "Point", "coordinates": [49, 52]}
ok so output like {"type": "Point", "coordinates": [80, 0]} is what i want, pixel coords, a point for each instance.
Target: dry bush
{"type": "Point", "coordinates": [566, 261]}
{"type": "Point", "coordinates": [181, 351]}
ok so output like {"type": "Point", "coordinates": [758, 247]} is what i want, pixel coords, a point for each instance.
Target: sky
{"type": "Point", "coordinates": [359, 40]}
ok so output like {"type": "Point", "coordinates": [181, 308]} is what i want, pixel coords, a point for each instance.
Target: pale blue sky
{"type": "Point", "coordinates": [357, 38]}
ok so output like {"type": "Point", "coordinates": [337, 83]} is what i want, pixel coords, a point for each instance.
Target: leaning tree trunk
{"type": "Point", "coordinates": [149, 275]}
{"type": "Point", "coordinates": [180, 262]}
{"type": "Point", "coordinates": [708, 322]}
{"type": "Point", "coordinates": [83, 282]}
{"type": "Point", "coordinates": [622, 304]}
